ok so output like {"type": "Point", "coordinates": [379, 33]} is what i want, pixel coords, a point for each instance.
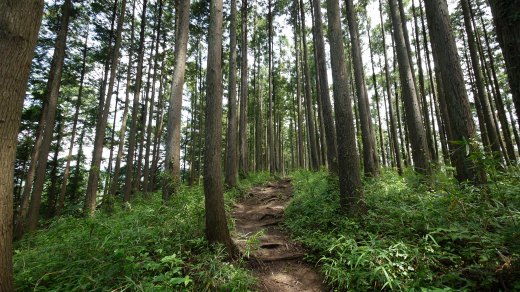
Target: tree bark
{"type": "Point", "coordinates": [324, 95]}
{"type": "Point", "coordinates": [216, 223]}
{"type": "Point", "coordinates": [507, 22]}
{"type": "Point", "coordinates": [231, 173]}
{"type": "Point", "coordinates": [172, 164]}
{"type": "Point", "coordinates": [20, 24]}
{"type": "Point", "coordinates": [51, 103]}
{"type": "Point", "coordinates": [351, 191]}
{"type": "Point", "coordinates": [370, 159]}
{"type": "Point", "coordinates": [454, 92]}
{"type": "Point", "coordinates": [420, 153]}
{"type": "Point", "coordinates": [243, 156]}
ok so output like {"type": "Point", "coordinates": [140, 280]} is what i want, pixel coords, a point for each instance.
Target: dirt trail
{"type": "Point", "coordinates": [276, 261]}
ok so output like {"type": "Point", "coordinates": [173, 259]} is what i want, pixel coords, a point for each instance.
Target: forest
{"type": "Point", "coordinates": [259, 145]}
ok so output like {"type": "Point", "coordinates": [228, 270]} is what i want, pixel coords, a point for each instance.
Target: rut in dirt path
{"type": "Point", "coordinates": [277, 260]}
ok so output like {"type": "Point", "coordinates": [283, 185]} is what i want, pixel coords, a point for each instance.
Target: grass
{"type": "Point", "coordinates": [147, 247]}
{"type": "Point", "coordinates": [446, 237]}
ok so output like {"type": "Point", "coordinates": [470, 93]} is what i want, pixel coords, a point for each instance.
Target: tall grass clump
{"type": "Point", "coordinates": [439, 235]}
{"type": "Point", "coordinates": [146, 246]}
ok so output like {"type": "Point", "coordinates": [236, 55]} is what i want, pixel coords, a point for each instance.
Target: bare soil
{"type": "Point", "coordinates": [274, 258]}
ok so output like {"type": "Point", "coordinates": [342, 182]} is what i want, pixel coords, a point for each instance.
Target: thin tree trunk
{"type": "Point", "coordinates": [370, 159]}
{"type": "Point", "coordinates": [93, 180]}
{"type": "Point", "coordinates": [149, 130]}
{"type": "Point", "coordinates": [414, 122]}
{"type": "Point", "coordinates": [311, 132]}
{"type": "Point", "coordinates": [231, 169]}
{"type": "Point", "coordinates": [243, 156]}
{"type": "Point", "coordinates": [393, 126]}
{"type": "Point", "coordinates": [132, 139]}
{"type": "Point", "coordinates": [479, 81]}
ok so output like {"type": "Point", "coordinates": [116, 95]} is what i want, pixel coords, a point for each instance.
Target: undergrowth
{"type": "Point", "coordinates": [149, 246]}
{"type": "Point", "coordinates": [443, 237]}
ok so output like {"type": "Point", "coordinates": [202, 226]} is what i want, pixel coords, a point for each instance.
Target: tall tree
{"type": "Point", "coordinates": [173, 140]}
{"type": "Point", "coordinates": [216, 223]}
{"type": "Point", "coordinates": [414, 123]}
{"type": "Point", "coordinates": [479, 81]}
{"type": "Point", "coordinates": [462, 128]}
{"type": "Point", "coordinates": [323, 94]}
{"type": "Point", "coordinates": [49, 113]}
{"type": "Point", "coordinates": [505, 16]}
{"type": "Point", "coordinates": [393, 123]}
{"type": "Point", "coordinates": [351, 190]}
{"type": "Point", "coordinates": [231, 169]}
{"type": "Point", "coordinates": [243, 156]}
{"type": "Point", "coordinates": [20, 21]}
{"type": "Point", "coordinates": [101, 124]}
{"type": "Point", "coordinates": [66, 172]}
{"type": "Point", "coordinates": [132, 139]}
{"type": "Point", "coordinates": [370, 159]}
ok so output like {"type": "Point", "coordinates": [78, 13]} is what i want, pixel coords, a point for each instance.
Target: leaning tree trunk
{"type": "Point", "coordinates": [351, 190]}
{"type": "Point", "coordinates": [173, 142]}
{"type": "Point", "coordinates": [93, 179]}
{"type": "Point", "coordinates": [20, 23]}
{"type": "Point", "coordinates": [51, 103]}
{"type": "Point", "coordinates": [456, 101]}
{"type": "Point", "coordinates": [479, 82]}
{"type": "Point", "coordinates": [216, 223]}
{"type": "Point", "coordinates": [231, 169]}
{"type": "Point", "coordinates": [370, 160]}
{"type": "Point", "coordinates": [420, 153]}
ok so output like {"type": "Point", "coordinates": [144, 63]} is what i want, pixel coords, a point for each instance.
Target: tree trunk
{"type": "Point", "coordinates": [370, 159]}
{"type": "Point", "coordinates": [243, 158]}
{"type": "Point", "coordinates": [173, 141]}
{"type": "Point", "coordinates": [420, 153]}
{"type": "Point", "coordinates": [51, 103]}
{"type": "Point", "coordinates": [324, 95]}
{"type": "Point", "coordinates": [351, 191]}
{"type": "Point", "coordinates": [311, 132]}
{"type": "Point", "coordinates": [149, 130]}
{"type": "Point", "coordinates": [93, 180]}
{"type": "Point", "coordinates": [66, 173]}
{"type": "Point", "coordinates": [498, 98]}
{"type": "Point", "coordinates": [132, 139]}
{"type": "Point", "coordinates": [393, 124]}
{"type": "Point", "coordinates": [456, 100]}
{"type": "Point", "coordinates": [507, 22]}
{"type": "Point", "coordinates": [216, 224]}
{"type": "Point", "coordinates": [479, 82]}
{"type": "Point", "coordinates": [20, 23]}
{"type": "Point", "coordinates": [231, 173]}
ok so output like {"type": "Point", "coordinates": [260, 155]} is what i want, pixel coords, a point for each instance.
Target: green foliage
{"type": "Point", "coordinates": [149, 247]}
{"type": "Point", "coordinates": [414, 236]}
